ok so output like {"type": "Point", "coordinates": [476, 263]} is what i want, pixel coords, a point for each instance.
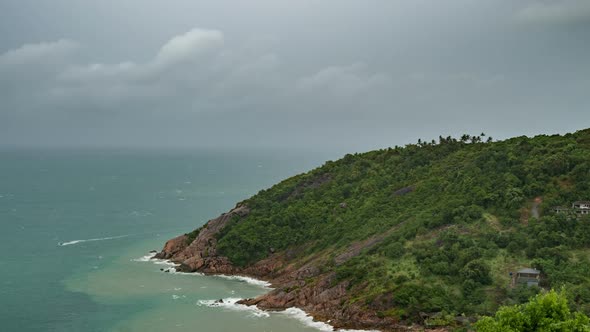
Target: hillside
{"type": "Point", "coordinates": [426, 233]}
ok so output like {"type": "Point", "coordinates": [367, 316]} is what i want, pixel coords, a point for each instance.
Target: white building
{"type": "Point", "coordinates": [581, 207]}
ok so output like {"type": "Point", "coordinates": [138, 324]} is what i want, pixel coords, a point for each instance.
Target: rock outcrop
{"type": "Point", "coordinates": [201, 253]}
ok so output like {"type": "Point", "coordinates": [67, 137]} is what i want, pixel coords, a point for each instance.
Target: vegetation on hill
{"type": "Point", "coordinates": [451, 219]}
{"type": "Point", "coordinates": [544, 312]}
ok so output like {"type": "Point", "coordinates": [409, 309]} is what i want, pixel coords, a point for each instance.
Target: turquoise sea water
{"type": "Point", "coordinates": [122, 204]}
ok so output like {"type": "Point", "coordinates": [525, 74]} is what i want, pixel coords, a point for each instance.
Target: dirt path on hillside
{"type": "Point", "coordinates": [535, 207]}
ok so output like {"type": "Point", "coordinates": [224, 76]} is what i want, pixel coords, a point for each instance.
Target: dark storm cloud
{"type": "Point", "coordinates": [346, 74]}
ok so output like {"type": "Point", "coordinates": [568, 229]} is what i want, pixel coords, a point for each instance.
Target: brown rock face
{"type": "Point", "coordinates": [201, 254]}
{"type": "Point", "coordinates": [172, 247]}
{"type": "Point", "coordinates": [298, 282]}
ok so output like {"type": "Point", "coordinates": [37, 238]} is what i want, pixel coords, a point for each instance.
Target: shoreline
{"type": "Point", "coordinates": [234, 303]}
{"type": "Point", "coordinates": [302, 286]}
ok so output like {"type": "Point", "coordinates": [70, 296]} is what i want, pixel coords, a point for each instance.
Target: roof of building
{"type": "Point", "coordinates": [581, 202]}
{"type": "Point", "coordinates": [529, 270]}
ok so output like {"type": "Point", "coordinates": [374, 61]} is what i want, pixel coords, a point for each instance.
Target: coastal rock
{"type": "Point", "coordinates": [172, 247]}
{"type": "Point", "coordinates": [296, 284]}
{"type": "Point", "coordinates": [201, 254]}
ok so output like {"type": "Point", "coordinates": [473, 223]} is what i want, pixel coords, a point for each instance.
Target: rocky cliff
{"type": "Point", "coordinates": [297, 282]}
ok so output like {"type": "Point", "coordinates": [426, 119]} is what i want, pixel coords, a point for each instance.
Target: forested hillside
{"type": "Point", "coordinates": [431, 227]}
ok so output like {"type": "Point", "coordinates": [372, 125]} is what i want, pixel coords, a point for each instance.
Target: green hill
{"type": "Point", "coordinates": [429, 231]}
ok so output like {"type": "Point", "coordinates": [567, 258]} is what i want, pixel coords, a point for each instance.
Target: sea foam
{"type": "Point", "coordinates": [295, 313]}
{"type": "Point", "coordinates": [251, 281]}
{"type": "Point", "coordinates": [248, 280]}
{"type": "Point", "coordinates": [306, 319]}
{"type": "Point", "coordinates": [145, 258]}
{"type": "Point", "coordinates": [150, 258]}
{"type": "Point", "coordinates": [231, 304]}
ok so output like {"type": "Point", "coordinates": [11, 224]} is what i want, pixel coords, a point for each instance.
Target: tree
{"type": "Point", "coordinates": [477, 271]}
{"type": "Point", "coordinates": [544, 312]}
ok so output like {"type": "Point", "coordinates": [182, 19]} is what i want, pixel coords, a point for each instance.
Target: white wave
{"type": "Point", "coordinates": [306, 319]}
{"type": "Point", "coordinates": [231, 304]}
{"type": "Point", "coordinates": [170, 266]}
{"type": "Point", "coordinates": [295, 313]}
{"type": "Point", "coordinates": [91, 240]}
{"type": "Point", "coordinates": [164, 262]}
{"type": "Point", "coordinates": [145, 258]}
{"type": "Point", "coordinates": [251, 281]}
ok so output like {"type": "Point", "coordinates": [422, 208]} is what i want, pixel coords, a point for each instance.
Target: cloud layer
{"type": "Point", "coordinates": [334, 73]}
{"type": "Point", "coordinates": [557, 12]}
{"type": "Point", "coordinates": [195, 69]}
{"type": "Point", "coordinates": [41, 53]}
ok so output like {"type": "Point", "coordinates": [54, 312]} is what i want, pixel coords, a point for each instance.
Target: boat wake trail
{"type": "Point", "coordinates": [91, 240]}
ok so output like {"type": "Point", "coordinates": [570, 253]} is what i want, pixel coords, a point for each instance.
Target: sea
{"type": "Point", "coordinates": [77, 226]}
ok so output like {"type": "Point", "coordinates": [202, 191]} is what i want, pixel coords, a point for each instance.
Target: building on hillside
{"type": "Point", "coordinates": [581, 207]}
{"type": "Point", "coordinates": [560, 209]}
{"type": "Point", "coordinates": [528, 276]}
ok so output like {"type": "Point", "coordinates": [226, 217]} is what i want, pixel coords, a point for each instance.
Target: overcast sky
{"type": "Point", "coordinates": [324, 74]}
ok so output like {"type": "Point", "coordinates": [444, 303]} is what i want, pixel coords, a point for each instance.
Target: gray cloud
{"type": "Point", "coordinates": [556, 12]}
{"type": "Point", "coordinates": [341, 74]}
{"type": "Point", "coordinates": [180, 61]}
{"type": "Point", "coordinates": [199, 68]}
{"type": "Point", "coordinates": [41, 53]}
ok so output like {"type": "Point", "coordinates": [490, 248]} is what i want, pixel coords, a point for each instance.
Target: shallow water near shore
{"type": "Point", "coordinates": [177, 301]}
{"type": "Point", "coordinates": [77, 227]}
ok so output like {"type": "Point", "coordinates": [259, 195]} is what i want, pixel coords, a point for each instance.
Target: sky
{"type": "Point", "coordinates": [323, 74]}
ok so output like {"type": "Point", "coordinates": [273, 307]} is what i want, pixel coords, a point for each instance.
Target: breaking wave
{"type": "Point", "coordinates": [295, 313]}
{"type": "Point", "coordinates": [306, 319]}
{"type": "Point", "coordinates": [231, 304]}
{"type": "Point", "coordinates": [248, 280]}
{"type": "Point", "coordinates": [171, 269]}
